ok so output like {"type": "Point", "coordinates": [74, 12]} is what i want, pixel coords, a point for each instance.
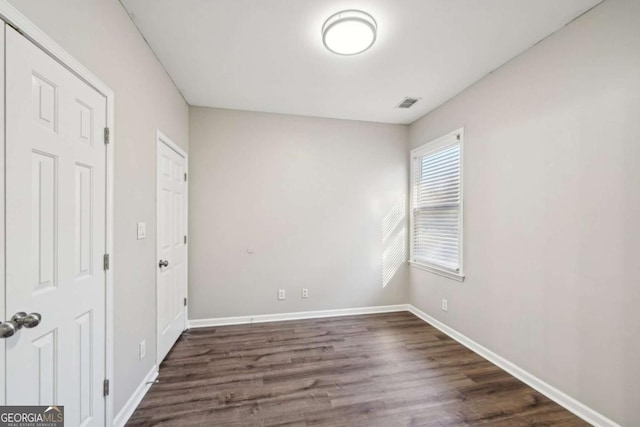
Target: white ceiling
{"type": "Point", "coordinates": [267, 55]}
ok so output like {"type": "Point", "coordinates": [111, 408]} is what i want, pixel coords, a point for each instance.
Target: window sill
{"type": "Point", "coordinates": [444, 273]}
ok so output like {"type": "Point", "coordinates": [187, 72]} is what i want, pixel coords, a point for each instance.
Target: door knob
{"type": "Point", "coordinates": [28, 321]}
{"type": "Point", "coordinates": [8, 329]}
{"type": "Point", "coordinates": [164, 263]}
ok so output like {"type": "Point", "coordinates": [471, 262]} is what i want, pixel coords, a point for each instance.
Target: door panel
{"type": "Point", "coordinates": [44, 350]}
{"type": "Point", "coordinates": [43, 221]}
{"type": "Point", "coordinates": [55, 234]}
{"type": "Point", "coordinates": [171, 279]}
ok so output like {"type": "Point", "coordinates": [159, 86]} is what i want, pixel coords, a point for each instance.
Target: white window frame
{"type": "Point", "coordinates": [438, 144]}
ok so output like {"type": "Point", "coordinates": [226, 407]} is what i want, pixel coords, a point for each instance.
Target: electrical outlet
{"type": "Point", "coordinates": [281, 294]}
{"type": "Point", "coordinates": [445, 305]}
{"type": "Point", "coordinates": [305, 293]}
{"type": "Point", "coordinates": [143, 349]}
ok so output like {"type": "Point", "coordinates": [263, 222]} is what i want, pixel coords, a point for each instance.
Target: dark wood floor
{"type": "Point", "coordinates": [373, 370]}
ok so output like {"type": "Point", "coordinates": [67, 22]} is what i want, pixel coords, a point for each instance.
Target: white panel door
{"type": "Point", "coordinates": [55, 234]}
{"type": "Point", "coordinates": [172, 249]}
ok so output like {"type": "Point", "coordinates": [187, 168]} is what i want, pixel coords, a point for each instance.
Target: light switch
{"type": "Point", "coordinates": [142, 230]}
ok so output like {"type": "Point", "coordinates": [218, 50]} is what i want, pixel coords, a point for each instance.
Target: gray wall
{"type": "Point", "coordinates": [307, 196]}
{"type": "Point", "coordinates": [99, 34]}
{"type": "Point", "coordinates": [552, 168]}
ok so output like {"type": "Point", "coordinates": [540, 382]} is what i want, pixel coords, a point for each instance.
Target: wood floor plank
{"type": "Point", "coordinates": [374, 370]}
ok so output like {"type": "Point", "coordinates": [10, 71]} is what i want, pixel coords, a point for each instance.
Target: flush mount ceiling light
{"type": "Point", "coordinates": [349, 32]}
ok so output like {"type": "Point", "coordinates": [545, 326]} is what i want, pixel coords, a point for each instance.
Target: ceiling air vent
{"type": "Point", "coordinates": [407, 102]}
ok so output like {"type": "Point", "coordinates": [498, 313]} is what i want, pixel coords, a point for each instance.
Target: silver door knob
{"type": "Point", "coordinates": [8, 329]}
{"type": "Point", "coordinates": [164, 263]}
{"type": "Point", "coordinates": [25, 320]}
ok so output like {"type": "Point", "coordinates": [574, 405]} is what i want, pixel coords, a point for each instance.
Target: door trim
{"type": "Point", "coordinates": [13, 17]}
{"type": "Point", "coordinates": [163, 139]}
{"type": "Point", "coordinates": [3, 316]}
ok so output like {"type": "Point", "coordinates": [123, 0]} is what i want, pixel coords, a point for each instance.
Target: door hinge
{"type": "Point", "coordinates": [185, 240]}
{"type": "Point", "coordinates": [106, 135]}
{"type": "Point", "coordinates": [185, 302]}
{"type": "Point", "coordinates": [106, 261]}
{"type": "Point", "coordinates": [105, 388]}
{"type": "Point", "coordinates": [185, 177]}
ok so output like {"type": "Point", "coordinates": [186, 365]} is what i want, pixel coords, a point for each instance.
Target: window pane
{"type": "Point", "coordinates": [435, 237]}
{"type": "Point", "coordinates": [436, 208]}
{"type": "Point", "coordinates": [438, 180]}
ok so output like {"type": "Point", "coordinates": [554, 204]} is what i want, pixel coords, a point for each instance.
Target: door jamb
{"type": "Point", "coordinates": [162, 138]}
{"type": "Point", "coordinates": [2, 224]}
{"type": "Point", "coordinates": [13, 17]}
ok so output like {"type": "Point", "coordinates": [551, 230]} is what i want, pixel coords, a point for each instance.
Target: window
{"type": "Point", "coordinates": [436, 206]}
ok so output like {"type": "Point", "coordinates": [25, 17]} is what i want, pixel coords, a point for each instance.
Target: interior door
{"type": "Point", "coordinates": [172, 247]}
{"type": "Point", "coordinates": [55, 235]}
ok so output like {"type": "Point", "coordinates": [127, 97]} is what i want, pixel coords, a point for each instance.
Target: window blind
{"type": "Point", "coordinates": [437, 207]}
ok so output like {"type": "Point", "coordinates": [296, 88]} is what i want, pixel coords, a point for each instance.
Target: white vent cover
{"type": "Point", "coordinates": [408, 102]}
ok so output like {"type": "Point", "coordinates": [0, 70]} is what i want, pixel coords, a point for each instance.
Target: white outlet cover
{"type": "Point", "coordinates": [281, 294]}
{"type": "Point", "coordinates": [445, 305]}
{"type": "Point", "coordinates": [305, 293]}
{"type": "Point", "coordinates": [143, 349]}
{"type": "Point", "coordinates": [142, 230]}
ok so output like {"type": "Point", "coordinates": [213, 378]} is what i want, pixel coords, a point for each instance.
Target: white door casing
{"type": "Point", "coordinates": [2, 285]}
{"type": "Point", "coordinates": [55, 233]}
{"type": "Point", "coordinates": [171, 279]}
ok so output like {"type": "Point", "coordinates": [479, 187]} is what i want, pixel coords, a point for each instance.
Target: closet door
{"type": "Point", "coordinates": [55, 235]}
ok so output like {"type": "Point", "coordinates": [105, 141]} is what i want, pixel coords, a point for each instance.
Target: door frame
{"type": "Point", "coordinates": [163, 139]}
{"type": "Point", "coordinates": [2, 227]}
{"type": "Point", "coordinates": [13, 17]}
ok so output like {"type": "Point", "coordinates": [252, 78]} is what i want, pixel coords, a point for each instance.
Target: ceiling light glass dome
{"type": "Point", "coordinates": [349, 32]}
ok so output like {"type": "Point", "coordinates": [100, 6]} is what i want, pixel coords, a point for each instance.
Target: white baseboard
{"type": "Point", "coordinates": [129, 408]}
{"type": "Point", "coordinates": [242, 320]}
{"type": "Point", "coordinates": [589, 415]}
